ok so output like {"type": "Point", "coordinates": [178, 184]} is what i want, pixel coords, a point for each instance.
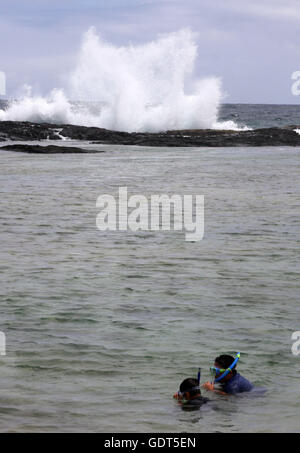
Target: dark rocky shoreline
{"type": "Point", "coordinates": [26, 131]}
{"type": "Point", "coordinates": [50, 149]}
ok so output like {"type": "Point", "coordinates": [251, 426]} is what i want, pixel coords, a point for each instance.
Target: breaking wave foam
{"type": "Point", "coordinates": [148, 87]}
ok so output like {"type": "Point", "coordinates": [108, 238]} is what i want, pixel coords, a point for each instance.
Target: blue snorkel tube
{"type": "Point", "coordinates": [229, 369]}
{"type": "Point", "coordinates": [199, 377]}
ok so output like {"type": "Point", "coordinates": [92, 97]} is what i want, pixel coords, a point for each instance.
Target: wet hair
{"type": "Point", "coordinates": [225, 361]}
{"type": "Point", "coordinates": [188, 385]}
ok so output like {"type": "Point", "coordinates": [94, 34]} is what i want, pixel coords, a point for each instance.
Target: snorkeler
{"type": "Point", "coordinates": [189, 395]}
{"type": "Point", "coordinates": [224, 372]}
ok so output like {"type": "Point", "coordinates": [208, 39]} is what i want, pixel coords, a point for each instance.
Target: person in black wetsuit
{"type": "Point", "coordinates": [233, 382]}
{"type": "Point", "coordinates": [189, 395]}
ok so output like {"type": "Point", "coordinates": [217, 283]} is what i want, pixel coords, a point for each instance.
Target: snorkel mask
{"type": "Point", "coordinates": [220, 373]}
{"type": "Point", "coordinates": [180, 396]}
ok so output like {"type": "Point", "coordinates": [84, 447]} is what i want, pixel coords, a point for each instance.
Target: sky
{"type": "Point", "coordinates": [253, 45]}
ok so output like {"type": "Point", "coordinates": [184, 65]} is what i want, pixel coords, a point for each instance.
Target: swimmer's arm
{"type": "Point", "coordinates": [211, 388]}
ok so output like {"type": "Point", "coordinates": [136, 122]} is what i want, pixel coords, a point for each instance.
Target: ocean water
{"type": "Point", "coordinates": [261, 115]}
{"type": "Point", "coordinates": [101, 328]}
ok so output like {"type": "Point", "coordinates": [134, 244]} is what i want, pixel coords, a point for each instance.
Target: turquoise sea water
{"type": "Point", "coordinates": [101, 328]}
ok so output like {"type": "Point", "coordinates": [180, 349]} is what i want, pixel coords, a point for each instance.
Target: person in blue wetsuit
{"type": "Point", "coordinates": [225, 373]}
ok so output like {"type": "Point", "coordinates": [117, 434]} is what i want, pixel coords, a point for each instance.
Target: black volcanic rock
{"type": "Point", "coordinates": [274, 136]}
{"type": "Point", "coordinates": [16, 130]}
{"type": "Point", "coordinates": [51, 149]}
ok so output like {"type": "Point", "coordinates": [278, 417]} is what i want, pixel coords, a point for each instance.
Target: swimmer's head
{"type": "Point", "coordinates": [222, 363]}
{"type": "Point", "coordinates": [188, 390]}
